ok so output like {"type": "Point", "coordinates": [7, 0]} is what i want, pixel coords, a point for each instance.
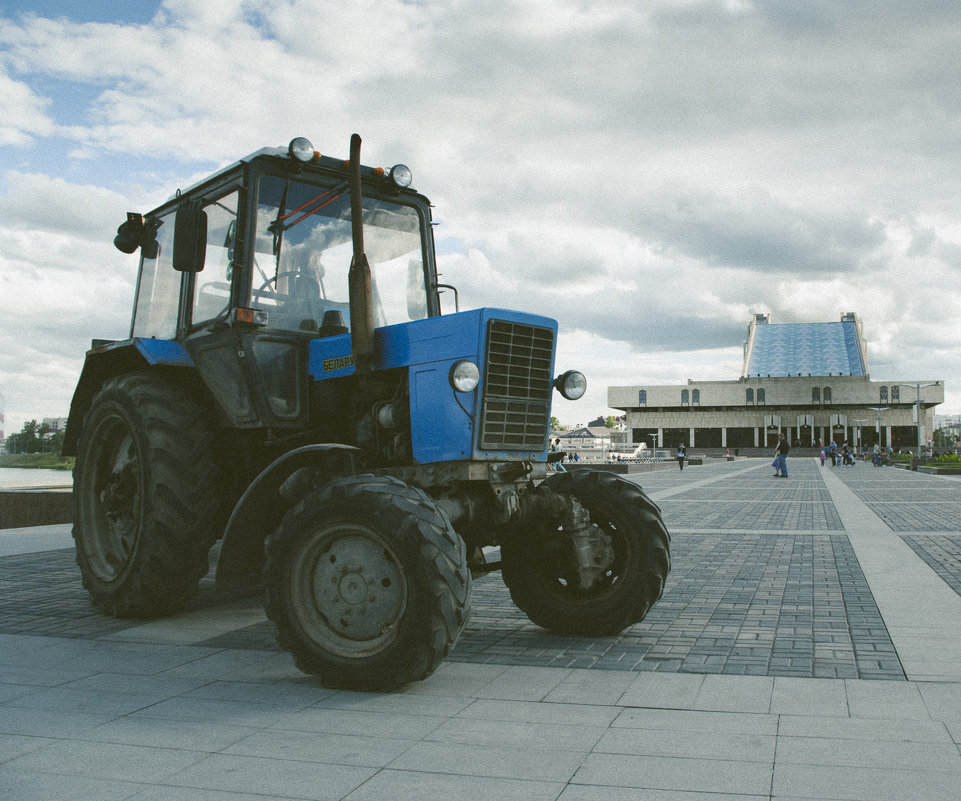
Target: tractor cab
{"type": "Point", "coordinates": [245, 268]}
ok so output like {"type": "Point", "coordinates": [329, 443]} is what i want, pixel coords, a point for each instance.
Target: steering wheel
{"type": "Point", "coordinates": [298, 308]}
{"type": "Point", "coordinates": [297, 288]}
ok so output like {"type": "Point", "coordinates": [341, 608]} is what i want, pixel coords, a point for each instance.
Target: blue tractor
{"type": "Point", "coordinates": [291, 388]}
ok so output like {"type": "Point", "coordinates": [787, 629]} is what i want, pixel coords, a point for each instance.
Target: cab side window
{"type": "Point", "coordinates": [212, 284]}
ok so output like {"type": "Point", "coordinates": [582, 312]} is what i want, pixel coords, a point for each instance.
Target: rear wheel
{"type": "Point", "coordinates": [367, 583]}
{"type": "Point", "coordinates": [540, 570]}
{"type": "Point", "coordinates": [145, 496]}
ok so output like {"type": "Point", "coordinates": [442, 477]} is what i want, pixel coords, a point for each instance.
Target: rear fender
{"type": "Point", "coordinates": [110, 359]}
{"type": "Point", "coordinates": [264, 503]}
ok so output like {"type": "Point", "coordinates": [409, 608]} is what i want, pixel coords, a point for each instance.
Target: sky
{"type": "Point", "coordinates": [651, 173]}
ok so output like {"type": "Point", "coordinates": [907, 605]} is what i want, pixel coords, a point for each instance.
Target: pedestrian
{"type": "Point", "coordinates": [876, 455]}
{"type": "Point", "coordinates": [823, 456]}
{"type": "Point", "coordinates": [833, 453]}
{"type": "Point", "coordinates": [847, 457]}
{"type": "Point", "coordinates": [681, 453]}
{"type": "Point", "coordinates": [780, 459]}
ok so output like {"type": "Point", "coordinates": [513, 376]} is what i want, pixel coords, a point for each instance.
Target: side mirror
{"type": "Point", "coordinates": [190, 237]}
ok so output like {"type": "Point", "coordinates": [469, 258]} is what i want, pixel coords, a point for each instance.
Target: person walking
{"type": "Point", "coordinates": [780, 458]}
{"type": "Point", "coordinates": [681, 453]}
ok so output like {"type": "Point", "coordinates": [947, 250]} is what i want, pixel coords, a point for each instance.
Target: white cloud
{"type": "Point", "coordinates": [24, 113]}
{"type": "Point", "coordinates": [648, 172]}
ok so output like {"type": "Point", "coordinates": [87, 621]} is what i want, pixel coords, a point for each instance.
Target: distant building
{"type": "Point", "coordinates": [807, 380]}
{"type": "Point", "coordinates": [584, 437]}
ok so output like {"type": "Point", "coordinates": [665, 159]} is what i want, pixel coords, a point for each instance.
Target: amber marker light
{"type": "Point", "coordinates": [247, 316]}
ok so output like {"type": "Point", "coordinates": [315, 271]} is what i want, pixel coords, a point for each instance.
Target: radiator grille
{"type": "Point", "coordinates": [517, 387]}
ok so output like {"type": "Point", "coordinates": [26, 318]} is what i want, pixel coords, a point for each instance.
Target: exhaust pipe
{"type": "Point", "coordinates": [358, 279]}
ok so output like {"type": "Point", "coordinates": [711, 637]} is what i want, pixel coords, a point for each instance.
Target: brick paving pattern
{"type": "Point", "coordinates": [942, 554]}
{"type": "Point", "coordinates": [762, 516]}
{"type": "Point", "coordinates": [764, 582]}
{"type": "Point", "coordinates": [930, 504]}
{"type": "Point", "coordinates": [43, 595]}
{"type": "Point", "coordinates": [757, 604]}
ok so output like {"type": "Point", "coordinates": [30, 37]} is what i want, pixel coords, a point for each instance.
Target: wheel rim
{"type": "Point", "coordinates": [560, 574]}
{"type": "Point", "coordinates": [349, 590]}
{"type": "Point", "coordinates": [114, 489]}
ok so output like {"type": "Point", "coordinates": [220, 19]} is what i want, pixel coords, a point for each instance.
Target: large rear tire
{"type": "Point", "coordinates": [367, 583]}
{"type": "Point", "coordinates": [540, 570]}
{"type": "Point", "coordinates": [145, 496]}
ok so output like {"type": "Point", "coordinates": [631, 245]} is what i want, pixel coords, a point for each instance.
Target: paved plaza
{"type": "Point", "coordinates": [808, 646]}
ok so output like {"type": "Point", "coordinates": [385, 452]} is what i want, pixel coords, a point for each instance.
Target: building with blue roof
{"type": "Point", "coordinates": [809, 381]}
{"type": "Point", "coordinates": [786, 349]}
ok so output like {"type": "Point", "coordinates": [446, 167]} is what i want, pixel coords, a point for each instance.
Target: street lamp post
{"type": "Point", "coordinates": [879, 409]}
{"type": "Point", "coordinates": [917, 406]}
{"type": "Point", "coordinates": [858, 439]}
{"type": "Point", "coordinates": [653, 444]}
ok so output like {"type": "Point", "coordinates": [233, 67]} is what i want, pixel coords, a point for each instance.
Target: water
{"type": "Point", "coordinates": [20, 478]}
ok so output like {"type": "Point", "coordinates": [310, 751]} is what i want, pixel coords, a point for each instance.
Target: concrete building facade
{"type": "Point", "coordinates": [809, 381]}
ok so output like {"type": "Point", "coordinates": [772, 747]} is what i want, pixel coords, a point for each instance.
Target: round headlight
{"type": "Point", "coordinates": [464, 376]}
{"type": "Point", "coordinates": [301, 149]}
{"type": "Point", "coordinates": [572, 384]}
{"type": "Point", "coordinates": [401, 176]}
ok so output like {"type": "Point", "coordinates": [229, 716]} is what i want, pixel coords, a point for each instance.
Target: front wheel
{"type": "Point", "coordinates": [367, 583]}
{"type": "Point", "coordinates": [539, 565]}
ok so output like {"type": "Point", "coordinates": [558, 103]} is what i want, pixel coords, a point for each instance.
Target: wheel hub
{"type": "Point", "coordinates": [353, 588]}
{"type": "Point", "coordinates": [358, 587]}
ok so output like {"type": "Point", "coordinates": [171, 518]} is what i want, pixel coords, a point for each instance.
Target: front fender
{"type": "Point", "coordinates": [263, 504]}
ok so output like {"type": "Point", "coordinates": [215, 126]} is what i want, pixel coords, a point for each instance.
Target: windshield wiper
{"type": "Point", "coordinates": [312, 206]}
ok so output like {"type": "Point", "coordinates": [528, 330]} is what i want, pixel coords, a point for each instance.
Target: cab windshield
{"type": "Point", "coordinates": [303, 249]}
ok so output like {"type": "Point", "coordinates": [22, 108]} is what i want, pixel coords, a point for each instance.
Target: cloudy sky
{"type": "Point", "coordinates": [649, 172]}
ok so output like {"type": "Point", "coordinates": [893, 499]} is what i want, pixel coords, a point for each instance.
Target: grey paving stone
{"type": "Point", "coordinates": [114, 761]}
{"type": "Point", "coordinates": [273, 777]}
{"type": "Point", "coordinates": [672, 773]}
{"type": "Point", "coordinates": [544, 765]}
{"type": "Point", "coordinates": [408, 785]}
{"type": "Point", "coordinates": [864, 783]}
{"type": "Point", "coordinates": [33, 786]}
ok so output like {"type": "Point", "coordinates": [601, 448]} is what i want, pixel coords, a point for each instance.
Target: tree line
{"type": "Point", "coordinates": [36, 438]}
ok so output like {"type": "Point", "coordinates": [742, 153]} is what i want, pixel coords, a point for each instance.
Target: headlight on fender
{"type": "Point", "coordinates": [572, 385]}
{"type": "Point", "coordinates": [464, 376]}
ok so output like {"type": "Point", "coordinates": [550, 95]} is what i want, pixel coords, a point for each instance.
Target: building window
{"type": "Point", "coordinates": [884, 394]}
{"type": "Point", "coordinates": [642, 396]}
{"type": "Point", "coordinates": [696, 395]}
{"type": "Point", "coordinates": [760, 396]}
{"type": "Point", "coordinates": [827, 394]}
{"type": "Point", "coordinates": [685, 396]}
{"type": "Point", "coordinates": [896, 394]}
{"type": "Point", "coordinates": [816, 395]}
{"type": "Point", "coordinates": [750, 395]}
